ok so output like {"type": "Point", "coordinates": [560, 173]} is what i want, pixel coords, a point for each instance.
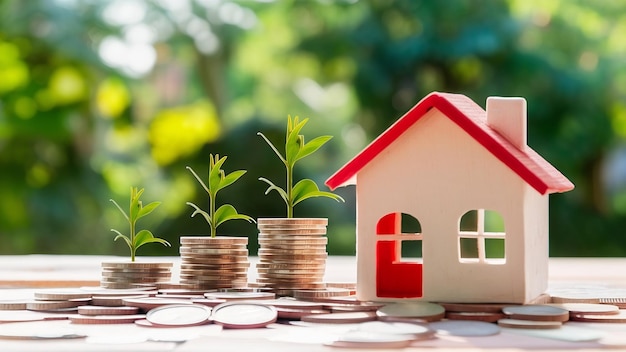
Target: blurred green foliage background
{"type": "Point", "coordinates": [98, 96]}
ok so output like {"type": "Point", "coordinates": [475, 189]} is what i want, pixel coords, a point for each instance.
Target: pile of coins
{"type": "Point", "coordinates": [292, 254]}
{"type": "Point", "coordinates": [214, 262]}
{"type": "Point", "coordinates": [120, 275]}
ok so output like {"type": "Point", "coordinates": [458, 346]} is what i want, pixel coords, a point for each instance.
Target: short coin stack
{"type": "Point", "coordinates": [214, 262]}
{"type": "Point", "coordinates": [292, 254]}
{"type": "Point", "coordinates": [118, 275]}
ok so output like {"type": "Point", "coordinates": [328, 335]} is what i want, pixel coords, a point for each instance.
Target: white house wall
{"type": "Point", "coordinates": [436, 173]}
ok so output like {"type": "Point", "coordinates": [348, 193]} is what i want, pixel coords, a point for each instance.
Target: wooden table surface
{"type": "Point", "coordinates": [22, 275]}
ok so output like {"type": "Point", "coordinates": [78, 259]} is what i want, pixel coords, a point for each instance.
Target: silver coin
{"type": "Point", "coordinates": [179, 315]}
{"type": "Point", "coordinates": [465, 328]}
{"type": "Point", "coordinates": [244, 315]}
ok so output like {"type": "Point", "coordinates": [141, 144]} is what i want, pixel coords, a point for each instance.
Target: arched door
{"type": "Point", "coordinates": [398, 277]}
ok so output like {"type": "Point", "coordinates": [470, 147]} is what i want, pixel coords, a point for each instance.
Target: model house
{"type": "Point", "coordinates": [478, 193]}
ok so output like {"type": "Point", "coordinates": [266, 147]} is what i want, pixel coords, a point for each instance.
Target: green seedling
{"type": "Point", "coordinates": [137, 211]}
{"type": "Point", "coordinates": [217, 181]}
{"type": "Point", "coordinates": [296, 149]}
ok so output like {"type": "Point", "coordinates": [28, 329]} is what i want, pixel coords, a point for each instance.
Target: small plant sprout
{"type": "Point", "coordinates": [296, 149]}
{"type": "Point", "coordinates": [218, 180]}
{"type": "Point", "coordinates": [137, 211]}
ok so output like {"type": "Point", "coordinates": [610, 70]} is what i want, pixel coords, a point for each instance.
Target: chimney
{"type": "Point", "coordinates": [508, 117]}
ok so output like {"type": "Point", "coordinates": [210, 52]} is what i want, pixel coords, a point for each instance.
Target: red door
{"type": "Point", "coordinates": [394, 278]}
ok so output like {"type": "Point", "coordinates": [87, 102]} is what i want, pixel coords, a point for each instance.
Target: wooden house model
{"type": "Point", "coordinates": [454, 168]}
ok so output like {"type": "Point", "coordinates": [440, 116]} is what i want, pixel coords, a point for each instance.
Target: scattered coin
{"type": "Point", "coordinates": [587, 308]}
{"type": "Point", "coordinates": [490, 317]}
{"type": "Point", "coordinates": [340, 318]}
{"type": "Point", "coordinates": [619, 302]}
{"type": "Point", "coordinates": [149, 303]}
{"type": "Point", "coordinates": [106, 319]}
{"type": "Point", "coordinates": [13, 305]}
{"type": "Point", "coordinates": [297, 314]}
{"type": "Point", "coordinates": [529, 324]}
{"type": "Point", "coordinates": [98, 310]}
{"type": "Point", "coordinates": [474, 307]}
{"type": "Point", "coordinates": [420, 310]}
{"type": "Point", "coordinates": [179, 315]}
{"type": "Point", "coordinates": [465, 328]}
{"type": "Point", "coordinates": [244, 315]}
{"type": "Point", "coordinates": [112, 301]}
{"type": "Point", "coordinates": [55, 305]}
{"type": "Point", "coordinates": [371, 340]}
{"type": "Point", "coordinates": [61, 295]}
{"type": "Point", "coordinates": [537, 313]}
{"type": "Point", "coordinates": [234, 296]}
{"type": "Point", "coordinates": [415, 331]}
{"type": "Point", "coordinates": [620, 317]}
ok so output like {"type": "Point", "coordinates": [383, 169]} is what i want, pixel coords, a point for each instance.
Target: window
{"type": "Point", "coordinates": [482, 237]}
{"type": "Point", "coordinates": [406, 231]}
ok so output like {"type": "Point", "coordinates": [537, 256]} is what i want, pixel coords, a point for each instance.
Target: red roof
{"type": "Point", "coordinates": [529, 165]}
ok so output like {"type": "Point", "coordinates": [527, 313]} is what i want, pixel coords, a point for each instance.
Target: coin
{"type": "Point", "coordinates": [340, 318]}
{"type": "Point", "coordinates": [234, 296]}
{"type": "Point", "coordinates": [369, 340]}
{"type": "Point", "coordinates": [149, 303]}
{"type": "Point", "coordinates": [101, 310]}
{"type": "Point", "coordinates": [537, 313]}
{"type": "Point", "coordinates": [489, 317]}
{"type": "Point", "coordinates": [529, 324]}
{"type": "Point", "coordinates": [474, 307]}
{"type": "Point", "coordinates": [202, 240]}
{"type": "Point", "coordinates": [421, 310]}
{"type": "Point", "coordinates": [415, 331]}
{"type": "Point", "coordinates": [243, 315]}
{"type": "Point", "coordinates": [464, 328]}
{"type": "Point", "coordinates": [179, 315]}
{"type": "Point", "coordinates": [106, 319]}
{"type": "Point", "coordinates": [292, 221]}
{"type": "Point", "coordinates": [13, 305]}
{"type": "Point", "coordinates": [137, 265]}
{"type": "Point", "coordinates": [60, 295]}
{"type": "Point", "coordinates": [112, 301]}
{"type": "Point", "coordinates": [616, 301]}
{"type": "Point", "coordinates": [322, 293]}
{"type": "Point", "coordinates": [203, 251]}
{"type": "Point", "coordinates": [588, 308]}
{"type": "Point", "coordinates": [620, 317]}
{"type": "Point", "coordinates": [55, 305]}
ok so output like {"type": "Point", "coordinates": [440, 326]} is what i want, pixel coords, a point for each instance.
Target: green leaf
{"type": "Point", "coordinates": [147, 209]}
{"type": "Point", "coordinates": [307, 188]}
{"type": "Point", "coordinates": [273, 187]}
{"type": "Point", "coordinates": [227, 212]}
{"type": "Point", "coordinates": [135, 204]}
{"type": "Point", "coordinates": [294, 143]}
{"type": "Point", "coordinates": [206, 215]}
{"type": "Point", "coordinates": [120, 208]}
{"type": "Point", "coordinates": [145, 236]}
{"type": "Point", "coordinates": [215, 175]}
{"type": "Point", "coordinates": [273, 147]}
{"type": "Point", "coordinates": [231, 178]}
{"type": "Point", "coordinates": [199, 179]}
{"type": "Point", "coordinates": [126, 239]}
{"type": "Point", "coordinates": [312, 146]}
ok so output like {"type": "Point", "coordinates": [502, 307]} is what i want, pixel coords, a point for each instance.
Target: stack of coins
{"type": "Point", "coordinates": [292, 254]}
{"type": "Point", "coordinates": [214, 262]}
{"type": "Point", "coordinates": [118, 275]}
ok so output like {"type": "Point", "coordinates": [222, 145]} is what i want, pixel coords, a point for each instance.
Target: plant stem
{"type": "Point", "coordinates": [289, 191]}
{"type": "Point", "coordinates": [212, 214]}
{"type": "Point", "coordinates": [132, 240]}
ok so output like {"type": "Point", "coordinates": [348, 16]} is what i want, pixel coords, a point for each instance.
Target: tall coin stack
{"type": "Point", "coordinates": [292, 254]}
{"type": "Point", "coordinates": [117, 275]}
{"type": "Point", "coordinates": [214, 262]}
